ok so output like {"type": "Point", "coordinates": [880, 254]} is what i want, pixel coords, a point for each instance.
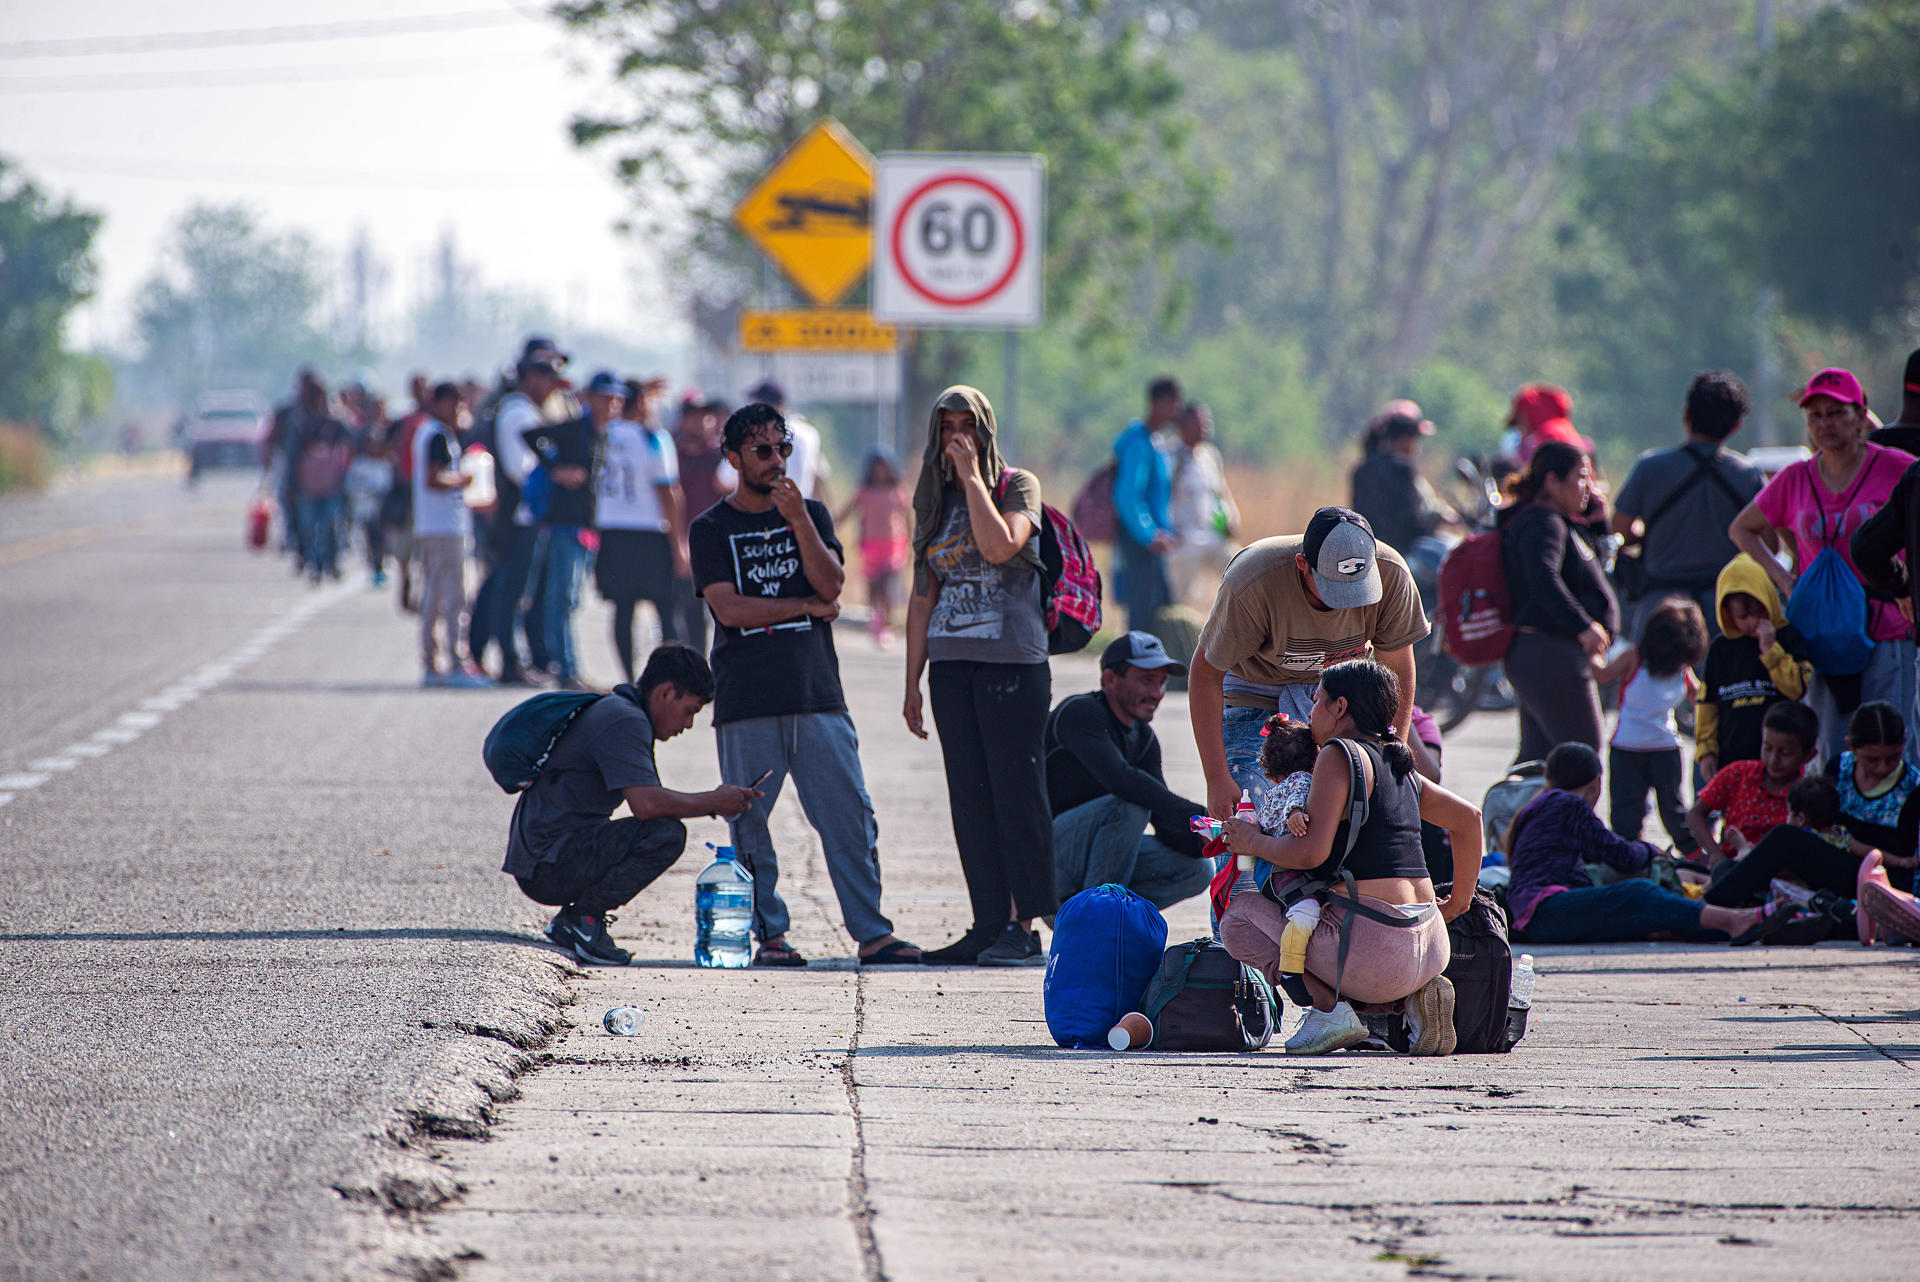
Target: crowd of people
{"type": "Point", "coordinates": [1301, 681]}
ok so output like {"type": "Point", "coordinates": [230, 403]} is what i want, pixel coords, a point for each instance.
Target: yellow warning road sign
{"type": "Point", "coordinates": [825, 329]}
{"type": "Point", "coordinates": [812, 213]}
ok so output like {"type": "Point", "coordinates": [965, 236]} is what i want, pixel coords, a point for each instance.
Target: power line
{"type": "Point", "coordinates": [230, 37]}
{"type": "Point", "coordinates": [220, 77]}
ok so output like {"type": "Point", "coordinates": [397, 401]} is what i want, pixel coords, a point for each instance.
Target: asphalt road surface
{"type": "Point", "coordinates": [252, 936]}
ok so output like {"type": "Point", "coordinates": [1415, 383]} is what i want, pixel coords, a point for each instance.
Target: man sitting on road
{"type": "Point", "coordinates": [768, 565]}
{"type": "Point", "coordinates": [1104, 784]}
{"type": "Point", "coordinates": [564, 845]}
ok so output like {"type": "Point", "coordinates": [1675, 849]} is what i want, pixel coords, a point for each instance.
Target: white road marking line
{"type": "Point", "coordinates": [131, 725]}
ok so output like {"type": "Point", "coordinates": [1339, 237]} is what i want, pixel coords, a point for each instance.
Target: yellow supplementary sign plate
{"type": "Point", "coordinates": [828, 329]}
{"type": "Point", "coordinates": [812, 213]}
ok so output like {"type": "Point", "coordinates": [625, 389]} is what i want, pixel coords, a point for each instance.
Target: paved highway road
{"type": "Point", "coordinates": [252, 939]}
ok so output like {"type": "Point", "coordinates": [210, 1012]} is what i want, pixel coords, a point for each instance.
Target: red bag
{"type": "Point", "coordinates": [259, 517]}
{"type": "Point", "coordinates": [1093, 512]}
{"type": "Point", "coordinates": [1474, 607]}
{"type": "Point", "coordinates": [1220, 889]}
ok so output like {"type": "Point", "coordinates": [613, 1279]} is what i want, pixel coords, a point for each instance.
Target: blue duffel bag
{"type": "Point", "coordinates": [1106, 946]}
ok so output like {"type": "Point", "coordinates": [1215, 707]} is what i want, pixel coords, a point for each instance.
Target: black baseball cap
{"type": "Point", "coordinates": [1139, 650]}
{"type": "Point", "coordinates": [1345, 558]}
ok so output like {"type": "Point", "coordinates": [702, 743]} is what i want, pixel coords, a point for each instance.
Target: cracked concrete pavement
{"type": "Point", "coordinates": [270, 1001]}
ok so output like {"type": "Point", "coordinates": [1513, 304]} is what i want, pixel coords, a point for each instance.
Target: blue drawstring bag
{"type": "Point", "coordinates": [1829, 607]}
{"type": "Point", "coordinates": [1105, 949]}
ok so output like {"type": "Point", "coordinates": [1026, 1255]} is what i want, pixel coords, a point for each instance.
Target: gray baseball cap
{"type": "Point", "coordinates": [1345, 558]}
{"type": "Point", "coordinates": [1139, 650]}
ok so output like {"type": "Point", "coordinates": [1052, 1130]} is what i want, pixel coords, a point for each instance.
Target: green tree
{"type": "Point", "coordinates": [46, 270]}
{"type": "Point", "coordinates": [232, 304]}
{"type": "Point", "coordinates": [714, 89]}
{"type": "Point", "coordinates": [1795, 169]}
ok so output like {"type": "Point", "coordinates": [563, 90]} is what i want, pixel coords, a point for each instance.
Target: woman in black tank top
{"type": "Point", "coordinates": [1388, 966]}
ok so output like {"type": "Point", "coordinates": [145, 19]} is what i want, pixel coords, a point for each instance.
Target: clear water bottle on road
{"type": "Point", "coordinates": [1522, 998]}
{"type": "Point", "coordinates": [624, 1021]}
{"type": "Point", "coordinates": [723, 912]}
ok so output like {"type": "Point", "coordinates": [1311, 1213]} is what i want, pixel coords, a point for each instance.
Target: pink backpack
{"type": "Point", "coordinates": [1068, 574]}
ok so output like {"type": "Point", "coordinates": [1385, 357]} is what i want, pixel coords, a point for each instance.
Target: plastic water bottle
{"type": "Point", "coordinates": [1522, 998]}
{"type": "Point", "coordinates": [624, 1021]}
{"type": "Point", "coordinates": [723, 913]}
{"type": "Point", "coordinates": [478, 464]}
{"type": "Point", "coordinates": [1245, 812]}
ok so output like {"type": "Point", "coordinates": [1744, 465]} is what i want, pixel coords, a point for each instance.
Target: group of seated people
{"type": "Point", "coordinates": [1779, 843]}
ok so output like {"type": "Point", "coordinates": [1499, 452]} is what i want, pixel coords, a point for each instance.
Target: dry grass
{"type": "Point", "coordinates": [25, 461]}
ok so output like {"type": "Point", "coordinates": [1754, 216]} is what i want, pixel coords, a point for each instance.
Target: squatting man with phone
{"type": "Point", "coordinates": [769, 567]}
{"type": "Point", "coordinates": [564, 846]}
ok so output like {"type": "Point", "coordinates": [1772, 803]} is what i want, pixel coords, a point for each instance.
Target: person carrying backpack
{"type": "Point", "coordinates": [976, 625]}
{"type": "Point", "coordinates": [1381, 940]}
{"type": "Point", "coordinates": [1814, 507]}
{"type": "Point", "coordinates": [564, 846]}
{"type": "Point", "coordinates": [1677, 503]}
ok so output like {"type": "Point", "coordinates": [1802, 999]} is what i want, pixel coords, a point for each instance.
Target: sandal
{"type": "Point", "coordinates": [785, 955]}
{"type": "Point", "coordinates": [891, 955]}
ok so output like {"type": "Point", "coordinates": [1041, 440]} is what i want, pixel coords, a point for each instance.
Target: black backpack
{"type": "Point", "coordinates": [517, 748]}
{"type": "Point", "coordinates": [1482, 976]}
{"type": "Point", "coordinates": [1203, 1000]}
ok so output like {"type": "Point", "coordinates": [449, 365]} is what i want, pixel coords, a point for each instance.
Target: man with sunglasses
{"type": "Point", "coordinates": [768, 564]}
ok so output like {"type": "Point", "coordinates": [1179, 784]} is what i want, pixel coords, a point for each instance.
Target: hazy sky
{"type": "Point", "coordinates": [404, 133]}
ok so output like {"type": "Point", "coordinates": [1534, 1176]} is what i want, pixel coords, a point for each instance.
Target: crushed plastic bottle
{"type": "Point", "coordinates": [624, 1021]}
{"type": "Point", "coordinates": [723, 913]}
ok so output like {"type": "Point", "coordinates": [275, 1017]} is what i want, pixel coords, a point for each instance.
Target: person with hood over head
{"type": "Point", "coordinates": [1754, 663]}
{"type": "Point", "coordinates": [975, 625]}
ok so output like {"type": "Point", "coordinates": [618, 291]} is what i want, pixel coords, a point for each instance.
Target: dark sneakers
{"type": "Point", "coordinates": [964, 951]}
{"type": "Point", "coordinates": [586, 934]}
{"type": "Point", "coordinates": [1015, 947]}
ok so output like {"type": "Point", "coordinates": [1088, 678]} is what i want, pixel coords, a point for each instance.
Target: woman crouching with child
{"type": "Point", "coordinates": [1397, 939]}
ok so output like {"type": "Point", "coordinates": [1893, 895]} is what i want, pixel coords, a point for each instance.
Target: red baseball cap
{"type": "Point", "coordinates": [1838, 383]}
{"type": "Point", "coordinates": [1539, 403]}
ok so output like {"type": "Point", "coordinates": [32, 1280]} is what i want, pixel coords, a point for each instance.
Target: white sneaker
{"type": "Point", "coordinates": [1323, 1031]}
{"type": "Point", "coordinates": [1430, 1019]}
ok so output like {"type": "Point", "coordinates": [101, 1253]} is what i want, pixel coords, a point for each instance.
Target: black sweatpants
{"type": "Point", "coordinates": [1559, 702]}
{"type": "Point", "coordinates": [1792, 851]}
{"type": "Point", "coordinates": [992, 718]}
{"type": "Point", "coordinates": [1630, 773]}
{"type": "Point", "coordinates": [600, 868]}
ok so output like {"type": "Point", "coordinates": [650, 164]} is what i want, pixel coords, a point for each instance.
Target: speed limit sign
{"type": "Point", "coordinates": [958, 239]}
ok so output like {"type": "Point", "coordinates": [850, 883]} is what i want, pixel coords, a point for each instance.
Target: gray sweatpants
{"type": "Point", "coordinates": [822, 753]}
{"type": "Point", "coordinates": [1106, 840]}
{"type": "Point", "coordinates": [443, 595]}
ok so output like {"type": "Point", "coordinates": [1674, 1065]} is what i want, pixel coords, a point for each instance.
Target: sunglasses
{"type": "Point", "coordinates": [763, 451]}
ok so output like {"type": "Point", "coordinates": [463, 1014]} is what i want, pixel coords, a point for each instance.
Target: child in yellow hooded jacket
{"type": "Point", "coordinates": [1754, 663]}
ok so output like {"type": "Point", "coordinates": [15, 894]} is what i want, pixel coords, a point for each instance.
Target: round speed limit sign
{"type": "Point", "coordinates": [959, 239]}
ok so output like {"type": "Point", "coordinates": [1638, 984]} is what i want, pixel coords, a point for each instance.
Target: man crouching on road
{"type": "Point", "coordinates": [564, 845]}
{"type": "Point", "coordinates": [1105, 784]}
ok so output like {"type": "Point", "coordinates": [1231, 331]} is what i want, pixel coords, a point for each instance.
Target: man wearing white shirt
{"type": "Point", "coordinates": [642, 522]}
{"type": "Point", "coordinates": [518, 414]}
{"type": "Point", "coordinates": [441, 526]}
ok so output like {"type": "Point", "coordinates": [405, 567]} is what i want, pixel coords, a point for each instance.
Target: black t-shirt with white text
{"type": "Point", "coordinates": [785, 669]}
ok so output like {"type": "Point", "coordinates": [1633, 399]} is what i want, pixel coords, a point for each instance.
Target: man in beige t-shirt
{"type": "Point", "coordinates": [1288, 608]}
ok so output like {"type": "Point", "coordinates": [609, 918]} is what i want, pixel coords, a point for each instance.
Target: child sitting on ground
{"type": "Point", "coordinates": [1553, 897]}
{"type": "Point", "coordinates": [1751, 796]}
{"type": "Point", "coordinates": [1645, 750]}
{"type": "Point", "coordinates": [1754, 664]}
